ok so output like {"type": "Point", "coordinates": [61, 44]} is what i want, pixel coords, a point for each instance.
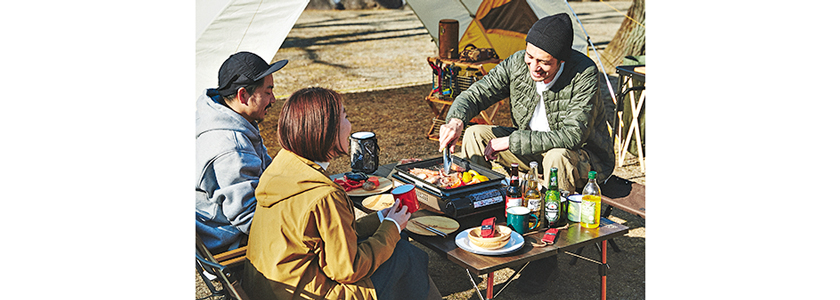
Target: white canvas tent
{"type": "Point", "coordinates": [224, 27]}
{"type": "Point", "coordinates": [430, 12]}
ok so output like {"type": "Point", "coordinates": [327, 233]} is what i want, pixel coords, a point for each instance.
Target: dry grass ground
{"type": "Point", "coordinates": [376, 58]}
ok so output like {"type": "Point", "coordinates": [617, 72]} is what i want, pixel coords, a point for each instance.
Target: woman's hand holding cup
{"type": "Point", "coordinates": [398, 213]}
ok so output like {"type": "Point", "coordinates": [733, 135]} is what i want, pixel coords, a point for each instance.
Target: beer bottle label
{"type": "Point", "coordinates": [534, 204]}
{"type": "Point", "coordinates": [551, 211]}
{"type": "Point", "coordinates": [511, 201]}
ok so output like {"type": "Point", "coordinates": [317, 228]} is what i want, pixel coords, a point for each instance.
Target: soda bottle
{"type": "Point", "coordinates": [533, 198]}
{"type": "Point", "coordinates": [513, 195]}
{"type": "Point", "coordinates": [590, 206]}
{"type": "Point", "coordinates": [554, 217]}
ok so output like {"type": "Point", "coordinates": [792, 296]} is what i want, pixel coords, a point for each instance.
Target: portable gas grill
{"type": "Point", "coordinates": [455, 202]}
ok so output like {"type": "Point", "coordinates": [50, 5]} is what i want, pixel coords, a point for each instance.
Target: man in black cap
{"type": "Point", "coordinates": [230, 155]}
{"type": "Point", "coordinates": [557, 119]}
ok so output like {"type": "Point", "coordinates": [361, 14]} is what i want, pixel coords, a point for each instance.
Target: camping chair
{"type": "Point", "coordinates": [223, 266]}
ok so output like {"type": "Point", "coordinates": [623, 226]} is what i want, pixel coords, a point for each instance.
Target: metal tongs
{"type": "Point", "coordinates": [429, 228]}
{"type": "Point", "coordinates": [447, 160]}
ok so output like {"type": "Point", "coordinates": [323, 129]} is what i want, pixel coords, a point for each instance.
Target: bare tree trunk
{"type": "Point", "coordinates": [630, 38]}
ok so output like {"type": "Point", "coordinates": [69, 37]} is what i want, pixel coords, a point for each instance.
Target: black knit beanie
{"type": "Point", "coordinates": [553, 34]}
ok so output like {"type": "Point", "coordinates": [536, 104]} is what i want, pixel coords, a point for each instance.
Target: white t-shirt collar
{"type": "Point", "coordinates": [539, 121]}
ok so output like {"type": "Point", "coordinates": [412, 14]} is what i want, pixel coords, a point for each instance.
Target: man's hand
{"type": "Point", "coordinates": [495, 146]}
{"type": "Point", "coordinates": [449, 133]}
{"type": "Point", "coordinates": [399, 215]}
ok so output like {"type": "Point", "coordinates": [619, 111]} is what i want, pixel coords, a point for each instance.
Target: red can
{"type": "Point", "coordinates": [407, 196]}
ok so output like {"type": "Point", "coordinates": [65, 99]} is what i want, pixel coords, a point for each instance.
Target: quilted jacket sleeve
{"type": "Point", "coordinates": [492, 88]}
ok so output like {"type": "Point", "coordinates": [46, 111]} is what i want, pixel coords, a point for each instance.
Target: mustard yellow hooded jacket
{"type": "Point", "coordinates": [304, 235]}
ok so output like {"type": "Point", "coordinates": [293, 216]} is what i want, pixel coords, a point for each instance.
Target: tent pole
{"type": "Point", "coordinates": [472, 14]}
{"type": "Point", "coordinates": [481, 28]}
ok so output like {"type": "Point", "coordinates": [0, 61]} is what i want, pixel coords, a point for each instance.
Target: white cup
{"type": "Point", "coordinates": [574, 207]}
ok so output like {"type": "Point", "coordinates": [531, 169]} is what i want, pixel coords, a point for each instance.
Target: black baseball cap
{"type": "Point", "coordinates": [242, 69]}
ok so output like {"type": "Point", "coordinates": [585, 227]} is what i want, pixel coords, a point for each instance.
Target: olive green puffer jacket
{"type": "Point", "coordinates": [575, 115]}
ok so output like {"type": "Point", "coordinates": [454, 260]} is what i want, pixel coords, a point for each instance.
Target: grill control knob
{"type": "Point", "coordinates": [450, 210]}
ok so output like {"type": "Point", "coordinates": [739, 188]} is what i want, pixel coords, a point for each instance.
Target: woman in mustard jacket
{"type": "Point", "coordinates": [305, 242]}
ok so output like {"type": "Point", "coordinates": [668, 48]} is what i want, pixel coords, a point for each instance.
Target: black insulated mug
{"type": "Point", "coordinates": [364, 152]}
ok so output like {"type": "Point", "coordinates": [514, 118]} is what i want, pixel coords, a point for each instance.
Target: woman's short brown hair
{"type": "Point", "coordinates": [309, 124]}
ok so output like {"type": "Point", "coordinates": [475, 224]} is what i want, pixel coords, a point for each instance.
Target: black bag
{"type": "Point", "coordinates": [473, 54]}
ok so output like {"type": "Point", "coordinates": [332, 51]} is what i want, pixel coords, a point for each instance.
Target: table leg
{"type": "Point", "coordinates": [491, 281]}
{"type": "Point", "coordinates": [574, 258]}
{"type": "Point", "coordinates": [614, 245]}
{"type": "Point", "coordinates": [603, 270]}
{"type": "Point", "coordinates": [475, 285]}
{"type": "Point", "coordinates": [636, 110]}
{"type": "Point", "coordinates": [490, 285]}
{"type": "Point", "coordinates": [432, 106]}
{"type": "Point", "coordinates": [619, 107]}
{"type": "Point", "coordinates": [625, 143]}
{"type": "Point", "coordinates": [634, 130]}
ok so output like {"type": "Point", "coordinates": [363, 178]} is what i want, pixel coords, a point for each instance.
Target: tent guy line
{"type": "Point", "coordinates": [597, 56]}
{"type": "Point", "coordinates": [624, 14]}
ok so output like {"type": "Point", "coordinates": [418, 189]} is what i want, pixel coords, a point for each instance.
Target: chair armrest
{"type": "Point", "coordinates": [238, 252]}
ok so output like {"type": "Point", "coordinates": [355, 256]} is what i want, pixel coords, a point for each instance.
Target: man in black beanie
{"type": "Point", "coordinates": [557, 119]}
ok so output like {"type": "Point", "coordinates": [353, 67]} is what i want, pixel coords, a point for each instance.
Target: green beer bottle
{"type": "Point", "coordinates": [554, 216]}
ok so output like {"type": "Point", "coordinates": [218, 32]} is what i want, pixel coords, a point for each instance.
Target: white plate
{"type": "Point", "coordinates": [463, 241]}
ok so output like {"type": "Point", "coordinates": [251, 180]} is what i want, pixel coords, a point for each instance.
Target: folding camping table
{"type": "Point", "coordinates": [630, 80]}
{"type": "Point", "coordinates": [567, 240]}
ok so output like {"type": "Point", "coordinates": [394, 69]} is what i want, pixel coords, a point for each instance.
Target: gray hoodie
{"type": "Point", "coordinates": [230, 157]}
